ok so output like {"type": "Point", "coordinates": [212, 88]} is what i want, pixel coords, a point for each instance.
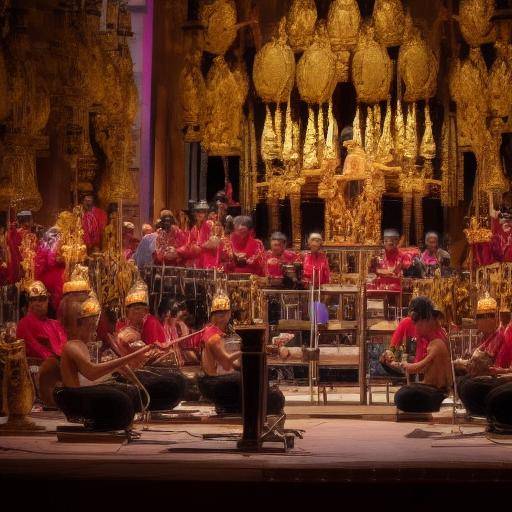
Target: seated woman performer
{"type": "Point", "coordinates": [277, 256]}
{"type": "Point", "coordinates": [221, 382]}
{"type": "Point", "coordinates": [89, 393]}
{"type": "Point", "coordinates": [428, 395]}
{"type": "Point", "coordinates": [433, 257]}
{"type": "Point", "coordinates": [315, 261]}
{"type": "Point", "coordinates": [389, 267]}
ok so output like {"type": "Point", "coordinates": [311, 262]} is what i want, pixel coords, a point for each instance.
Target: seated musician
{"type": "Point", "coordinates": [44, 337]}
{"type": "Point", "coordinates": [88, 391]}
{"type": "Point", "coordinates": [221, 382]}
{"type": "Point", "coordinates": [130, 241]}
{"type": "Point", "coordinates": [315, 261]}
{"type": "Point", "coordinates": [169, 238]}
{"type": "Point", "coordinates": [427, 395]}
{"type": "Point", "coordinates": [277, 256]}
{"type": "Point", "coordinates": [501, 226]}
{"type": "Point", "coordinates": [433, 257]}
{"type": "Point", "coordinates": [490, 361]}
{"type": "Point", "coordinates": [158, 370]}
{"type": "Point", "coordinates": [389, 267]}
{"type": "Point", "coordinates": [244, 253]}
{"type": "Point", "coordinates": [201, 249]}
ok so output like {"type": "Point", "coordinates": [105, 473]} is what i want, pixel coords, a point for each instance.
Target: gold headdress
{"type": "Point", "coordinates": [486, 305]}
{"type": "Point", "coordinates": [220, 302]}
{"type": "Point", "coordinates": [37, 289]}
{"type": "Point", "coordinates": [138, 294]}
{"type": "Point", "coordinates": [91, 307]}
{"type": "Point", "coordinates": [79, 281]}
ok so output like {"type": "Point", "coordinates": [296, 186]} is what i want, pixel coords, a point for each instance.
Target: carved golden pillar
{"type": "Point", "coordinates": [406, 217]}
{"type": "Point", "coordinates": [418, 217]}
{"type": "Point", "coordinates": [296, 220]}
{"type": "Point", "coordinates": [273, 212]}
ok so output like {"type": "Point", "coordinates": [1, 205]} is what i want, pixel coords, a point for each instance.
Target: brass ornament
{"type": "Point", "coordinates": [372, 69]}
{"type": "Point", "coordinates": [492, 176]}
{"type": "Point", "coordinates": [290, 152]}
{"type": "Point", "coordinates": [274, 69]}
{"type": "Point", "coordinates": [389, 19]}
{"type": "Point", "coordinates": [476, 234]}
{"type": "Point", "coordinates": [219, 17]}
{"type": "Point", "coordinates": [428, 145]}
{"type": "Point", "coordinates": [192, 97]}
{"type": "Point", "coordinates": [343, 21]}
{"type": "Point", "coordinates": [417, 64]}
{"type": "Point", "coordinates": [224, 101]}
{"type": "Point", "coordinates": [475, 21]}
{"type": "Point", "coordinates": [300, 24]}
{"type": "Point", "coordinates": [399, 130]}
{"type": "Point", "coordinates": [71, 247]}
{"type": "Point", "coordinates": [369, 134]}
{"type": "Point", "coordinates": [316, 70]}
{"type": "Point", "coordinates": [357, 136]}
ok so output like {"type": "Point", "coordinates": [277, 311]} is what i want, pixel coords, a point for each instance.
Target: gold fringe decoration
{"type": "Point", "coordinates": [385, 146]}
{"type": "Point", "coordinates": [310, 159]}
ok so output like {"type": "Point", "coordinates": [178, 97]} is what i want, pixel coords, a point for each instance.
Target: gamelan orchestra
{"type": "Point", "coordinates": [339, 176]}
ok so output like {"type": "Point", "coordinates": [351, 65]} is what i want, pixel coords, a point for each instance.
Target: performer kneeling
{"type": "Point", "coordinates": [88, 393]}
{"type": "Point", "coordinates": [428, 395]}
{"type": "Point", "coordinates": [221, 382]}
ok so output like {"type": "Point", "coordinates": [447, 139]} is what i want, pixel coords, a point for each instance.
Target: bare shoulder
{"type": "Point", "coordinates": [438, 344]}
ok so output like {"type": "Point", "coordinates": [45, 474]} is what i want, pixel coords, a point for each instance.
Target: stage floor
{"type": "Point", "coordinates": [340, 443]}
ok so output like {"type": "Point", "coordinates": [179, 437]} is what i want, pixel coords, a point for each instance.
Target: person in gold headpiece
{"type": "Point", "coordinates": [89, 393]}
{"type": "Point", "coordinates": [43, 336]}
{"type": "Point", "coordinates": [221, 382]}
{"type": "Point", "coordinates": [489, 361]}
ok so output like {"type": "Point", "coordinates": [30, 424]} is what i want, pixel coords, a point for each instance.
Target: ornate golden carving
{"type": "Point", "coordinates": [372, 69]}
{"type": "Point", "coordinates": [389, 19]}
{"type": "Point", "coordinates": [192, 96]}
{"type": "Point", "coordinates": [370, 144]}
{"type": "Point", "coordinates": [71, 244]}
{"type": "Point", "coordinates": [274, 69]}
{"type": "Point", "coordinates": [224, 101]}
{"type": "Point", "coordinates": [357, 136]}
{"type": "Point", "coordinates": [309, 153]}
{"type": "Point", "coordinates": [476, 234]}
{"type": "Point", "coordinates": [290, 151]}
{"type": "Point", "coordinates": [219, 18]}
{"type": "Point", "coordinates": [411, 133]}
{"type": "Point", "coordinates": [316, 70]}
{"type": "Point", "coordinates": [331, 142]}
{"type": "Point", "coordinates": [385, 146]}
{"type": "Point", "coordinates": [500, 78]}
{"type": "Point", "coordinates": [428, 144]}
{"type": "Point", "coordinates": [468, 88]}
{"type": "Point", "coordinates": [492, 177]}
{"type": "Point", "coordinates": [300, 24]}
{"type": "Point", "coordinates": [399, 130]}
{"type": "Point", "coordinates": [269, 147]}
{"type": "Point", "coordinates": [417, 64]}
{"type": "Point", "coordinates": [343, 22]}
{"type": "Point", "coordinates": [475, 21]}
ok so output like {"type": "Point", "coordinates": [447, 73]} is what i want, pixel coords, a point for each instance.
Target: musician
{"type": "Point", "coordinates": [428, 395]}
{"type": "Point", "coordinates": [201, 250]}
{"type": "Point", "coordinates": [130, 242]}
{"type": "Point", "coordinates": [20, 233]}
{"type": "Point", "coordinates": [143, 255]}
{"type": "Point", "coordinates": [433, 256]}
{"type": "Point", "coordinates": [221, 382]}
{"type": "Point", "coordinates": [94, 221]}
{"type": "Point", "coordinates": [315, 260]}
{"type": "Point", "coordinates": [501, 226]}
{"type": "Point", "coordinates": [169, 238]}
{"type": "Point", "coordinates": [389, 267]}
{"type": "Point", "coordinates": [277, 256]}
{"type": "Point", "coordinates": [244, 253]}
{"type": "Point", "coordinates": [50, 266]}
{"type": "Point", "coordinates": [89, 392]}
{"type": "Point", "coordinates": [44, 337]}
{"type": "Point", "coordinates": [490, 359]}
{"type": "Point", "coordinates": [146, 229]}
{"type": "Point", "coordinates": [139, 318]}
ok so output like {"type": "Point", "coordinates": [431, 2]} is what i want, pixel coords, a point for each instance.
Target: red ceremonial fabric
{"type": "Point", "coordinates": [50, 271]}
{"type": "Point", "coordinates": [272, 264]}
{"type": "Point", "coordinates": [319, 262]}
{"type": "Point", "coordinates": [93, 224]}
